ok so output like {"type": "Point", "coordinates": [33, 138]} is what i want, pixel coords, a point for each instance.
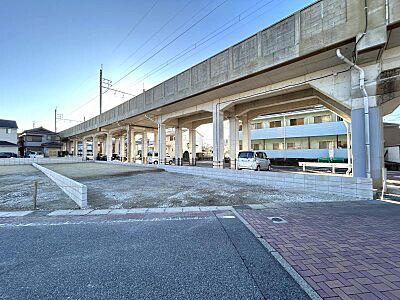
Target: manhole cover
{"type": "Point", "coordinates": [277, 220]}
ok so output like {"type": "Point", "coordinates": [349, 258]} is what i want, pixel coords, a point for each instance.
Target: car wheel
{"type": "Point", "coordinates": [155, 162]}
{"type": "Point", "coordinates": [170, 162]}
{"type": "Point", "coordinates": [258, 168]}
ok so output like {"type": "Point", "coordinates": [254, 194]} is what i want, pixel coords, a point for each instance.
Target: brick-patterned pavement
{"type": "Point", "coordinates": [344, 251]}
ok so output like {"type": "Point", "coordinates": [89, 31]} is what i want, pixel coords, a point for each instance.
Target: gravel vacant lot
{"type": "Point", "coordinates": [16, 190]}
{"type": "Point", "coordinates": [116, 186]}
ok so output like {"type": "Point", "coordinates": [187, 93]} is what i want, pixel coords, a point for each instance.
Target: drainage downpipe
{"type": "Point", "coordinates": [366, 108]}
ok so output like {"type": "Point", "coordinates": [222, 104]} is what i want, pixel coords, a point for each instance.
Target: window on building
{"type": "Point", "coordinates": [326, 145]}
{"type": "Point", "coordinates": [8, 130]}
{"type": "Point", "coordinates": [171, 138]}
{"type": "Point", "coordinates": [293, 145]}
{"type": "Point", "coordinates": [257, 125]}
{"type": "Point", "coordinates": [255, 146]}
{"type": "Point", "coordinates": [274, 124]}
{"type": "Point", "coordinates": [322, 119]}
{"type": "Point", "coordinates": [34, 138]}
{"type": "Point", "coordinates": [240, 127]}
{"type": "Point", "coordinates": [277, 146]}
{"type": "Point", "coordinates": [295, 122]}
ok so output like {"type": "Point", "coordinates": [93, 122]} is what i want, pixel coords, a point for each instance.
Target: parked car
{"type": "Point", "coordinates": [253, 160]}
{"type": "Point", "coordinates": [8, 155]}
{"type": "Point", "coordinates": [101, 157]}
{"type": "Point", "coordinates": [152, 158]}
{"type": "Point", "coordinates": [115, 156]}
{"type": "Point", "coordinates": [35, 155]}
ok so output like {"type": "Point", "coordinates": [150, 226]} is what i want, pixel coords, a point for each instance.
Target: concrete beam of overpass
{"type": "Point", "coordinates": [292, 39]}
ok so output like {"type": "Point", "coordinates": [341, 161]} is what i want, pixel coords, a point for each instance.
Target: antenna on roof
{"type": "Point", "coordinates": [33, 124]}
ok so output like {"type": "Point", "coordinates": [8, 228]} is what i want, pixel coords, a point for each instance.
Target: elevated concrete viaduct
{"type": "Point", "coordinates": [290, 65]}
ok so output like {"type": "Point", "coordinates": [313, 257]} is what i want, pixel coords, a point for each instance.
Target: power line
{"type": "Point", "coordinates": [215, 33]}
{"type": "Point", "coordinates": [167, 37]}
{"type": "Point", "coordinates": [155, 33]}
{"type": "Point", "coordinates": [135, 26]}
{"type": "Point", "coordinates": [236, 20]}
{"type": "Point", "coordinates": [95, 97]}
{"type": "Point", "coordinates": [193, 25]}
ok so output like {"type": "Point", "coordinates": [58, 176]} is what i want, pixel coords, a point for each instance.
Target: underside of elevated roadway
{"type": "Point", "coordinates": [290, 65]}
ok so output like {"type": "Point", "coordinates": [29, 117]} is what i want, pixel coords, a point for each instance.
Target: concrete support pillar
{"type": "Point", "coordinates": [69, 147]}
{"type": "Point", "coordinates": [161, 143]}
{"type": "Point", "coordinates": [144, 147]}
{"type": "Point", "coordinates": [128, 144]}
{"type": "Point", "coordinates": [102, 147]}
{"type": "Point", "coordinates": [84, 149]}
{"type": "Point", "coordinates": [75, 147]}
{"type": "Point", "coordinates": [155, 143]}
{"type": "Point", "coordinates": [95, 147]}
{"type": "Point", "coordinates": [192, 146]}
{"type": "Point", "coordinates": [109, 149]}
{"type": "Point", "coordinates": [117, 145]}
{"type": "Point", "coordinates": [246, 129]}
{"type": "Point", "coordinates": [218, 137]}
{"type": "Point", "coordinates": [133, 146]}
{"type": "Point", "coordinates": [178, 146]}
{"type": "Point", "coordinates": [233, 141]}
{"type": "Point", "coordinates": [122, 146]}
{"type": "Point", "coordinates": [358, 143]}
{"type": "Point", "coordinates": [377, 148]}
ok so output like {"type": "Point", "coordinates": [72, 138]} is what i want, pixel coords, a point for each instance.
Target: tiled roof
{"type": "Point", "coordinates": [8, 124]}
{"type": "Point", "coordinates": [5, 143]}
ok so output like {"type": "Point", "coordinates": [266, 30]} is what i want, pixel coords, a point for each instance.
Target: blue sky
{"type": "Point", "coordinates": [51, 51]}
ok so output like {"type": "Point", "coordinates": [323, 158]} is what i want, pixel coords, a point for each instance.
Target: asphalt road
{"type": "Point", "coordinates": [185, 258]}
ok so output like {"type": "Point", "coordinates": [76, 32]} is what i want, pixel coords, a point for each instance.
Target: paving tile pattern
{"type": "Point", "coordinates": [345, 252]}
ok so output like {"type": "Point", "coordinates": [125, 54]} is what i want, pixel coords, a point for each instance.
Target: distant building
{"type": "Point", "coordinates": [8, 136]}
{"type": "Point", "coordinates": [39, 140]}
{"type": "Point", "coordinates": [170, 142]}
{"type": "Point", "coordinates": [307, 134]}
{"type": "Point", "coordinates": [391, 134]}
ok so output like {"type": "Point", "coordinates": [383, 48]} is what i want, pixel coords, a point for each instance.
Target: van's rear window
{"type": "Point", "coordinates": [246, 154]}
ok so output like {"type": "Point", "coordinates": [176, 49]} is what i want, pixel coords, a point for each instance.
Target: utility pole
{"type": "Point", "coordinates": [101, 86]}
{"type": "Point", "coordinates": [55, 120]}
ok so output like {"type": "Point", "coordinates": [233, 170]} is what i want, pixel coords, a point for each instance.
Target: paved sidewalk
{"type": "Point", "coordinates": [343, 250]}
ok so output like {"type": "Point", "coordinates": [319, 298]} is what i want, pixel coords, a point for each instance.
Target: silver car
{"type": "Point", "coordinates": [253, 160]}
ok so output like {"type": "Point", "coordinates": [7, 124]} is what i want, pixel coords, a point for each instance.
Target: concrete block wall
{"type": "Point", "coordinates": [75, 190]}
{"type": "Point", "coordinates": [352, 187]}
{"type": "Point", "coordinates": [45, 160]}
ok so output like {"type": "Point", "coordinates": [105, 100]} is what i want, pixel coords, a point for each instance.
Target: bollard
{"type": "Point", "coordinates": [34, 198]}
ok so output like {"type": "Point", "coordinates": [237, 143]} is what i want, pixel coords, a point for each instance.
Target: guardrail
{"type": "Point", "coordinates": [39, 160]}
{"type": "Point", "coordinates": [75, 190]}
{"type": "Point", "coordinates": [346, 186]}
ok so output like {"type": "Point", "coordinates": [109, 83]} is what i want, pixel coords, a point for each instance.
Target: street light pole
{"type": "Point", "coordinates": [101, 87]}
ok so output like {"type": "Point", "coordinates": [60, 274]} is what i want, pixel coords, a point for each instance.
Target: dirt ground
{"type": "Point", "coordinates": [16, 190]}
{"type": "Point", "coordinates": [116, 186]}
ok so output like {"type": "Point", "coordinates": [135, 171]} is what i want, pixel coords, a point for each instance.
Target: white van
{"type": "Point", "coordinates": [152, 158]}
{"type": "Point", "coordinates": [253, 160]}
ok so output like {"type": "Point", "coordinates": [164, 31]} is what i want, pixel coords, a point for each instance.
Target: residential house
{"type": "Point", "coordinates": [8, 136]}
{"type": "Point", "coordinates": [40, 140]}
